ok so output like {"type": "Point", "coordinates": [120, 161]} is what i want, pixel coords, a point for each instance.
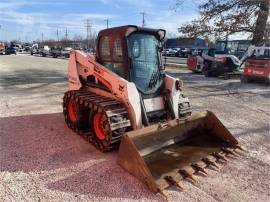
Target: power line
{"type": "Point", "coordinates": [143, 18]}
{"type": "Point", "coordinates": [57, 34]}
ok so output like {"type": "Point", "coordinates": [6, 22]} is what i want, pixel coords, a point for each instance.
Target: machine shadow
{"type": "Point", "coordinates": [250, 131]}
{"type": "Point", "coordinates": [43, 144]}
{"type": "Point", "coordinates": [105, 179]}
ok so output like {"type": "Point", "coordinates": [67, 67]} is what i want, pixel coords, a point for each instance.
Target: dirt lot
{"type": "Point", "coordinates": [42, 160]}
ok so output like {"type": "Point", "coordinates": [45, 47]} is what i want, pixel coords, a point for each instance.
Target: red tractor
{"type": "Point", "coordinates": [257, 66]}
{"type": "Point", "coordinates": [195, 63]}
{"type": "Point", "coordinates": [212, 63]}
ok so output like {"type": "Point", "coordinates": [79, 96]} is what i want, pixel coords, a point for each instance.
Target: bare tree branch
{"type": "Point", "coordinates": [224, 17]}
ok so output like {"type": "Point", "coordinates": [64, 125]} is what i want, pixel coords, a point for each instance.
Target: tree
{"type": "Point", "coordinates": [221, 18]}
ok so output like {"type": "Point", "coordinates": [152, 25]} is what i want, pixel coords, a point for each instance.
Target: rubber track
{"type": "Point", "coordinates": [112, 108]}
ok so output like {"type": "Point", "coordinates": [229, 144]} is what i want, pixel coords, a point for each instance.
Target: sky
{"type": "Point", "coordinates": [28, 20]}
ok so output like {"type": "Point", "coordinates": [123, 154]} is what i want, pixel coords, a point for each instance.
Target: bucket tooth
{"type": "Point", "coordinates": [219, 156]}
{"type": "Point", "coordinates": [198, 168]}
{"type": "Point", "coordinates": [186, 174]}
{"type": "Point", "coordinates": [237, 153]}
{"type": "Point", "coordinates": [240, 148]}
{"type": "Point", "coordinates": [173, 182]}
{"type": "Point", "coordinates": [162, 183]}
{"type": "Point", "coordinates": [210, 162]}
{"type": "Point", "coordinates": [163, 194]}
{"type": "Point", "coordinates": [179, 186]}
{"type": "Point", "coordinates": [227, 151]}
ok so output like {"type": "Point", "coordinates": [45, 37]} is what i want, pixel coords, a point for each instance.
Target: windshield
{"type": "Point", "coordinates": [145, 72]}
{"type": "Point", "coordinates": [261, 54]}
{"type": "Point", "coordinates": [227, 47]}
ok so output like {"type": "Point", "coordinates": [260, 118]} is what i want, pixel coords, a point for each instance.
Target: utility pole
{"type": "Point", "coordinates": [143, 18]}
{"type": "Point", "coordinates": [42, 37]}
{"type": "Point", "coordinates": [88, 30]}
{"type": "Point", "coordinates": [66, 34]}
{"type": "Point", "coordinates": [107, 22]}
{"type": "Point", "coordinates": [57, 33]}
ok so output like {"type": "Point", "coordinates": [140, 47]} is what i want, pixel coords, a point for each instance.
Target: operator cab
{"type": "Point", "coordinates": [133, 53]}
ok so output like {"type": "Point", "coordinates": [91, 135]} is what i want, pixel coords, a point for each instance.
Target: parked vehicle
{"type": "Point", "coordinates": [221, 65]}
{"type": "Point", "coordinates": [257, 66]}
{"type": "Point", "coordinates": [56, 52]}
{"type": "Point", "coordinates": [169, 52]}
{"type": "Point", "coordinates": [184, 52]}
{"type": "Point", "coordinates": [213, 62]}
{"type": "Point", "coordinates": [90, 50]}
{"type": "Point", "coordinates": [164, 52]}
{"type": "Point", "coordinates": [10, 50]}
{"type": "Point", "coordinates": [27, 48]}
{"type": "Point", "coordinates": [44, 51]}
{"type": "Point", "coordinates": [65, 52]}
{"type": "Point", "coordinates": [195, 61]}
{"type": "Point", "coordinates": [34, 51]}
{"type": "Point", "coordinates": [16, 46]}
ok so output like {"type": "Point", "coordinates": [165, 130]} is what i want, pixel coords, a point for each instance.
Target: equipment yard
{"type": "Point", "coordinates": [43, 160]}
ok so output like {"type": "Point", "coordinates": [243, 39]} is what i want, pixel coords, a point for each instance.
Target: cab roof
{"type": "Point", "coordinates": [126, 30]}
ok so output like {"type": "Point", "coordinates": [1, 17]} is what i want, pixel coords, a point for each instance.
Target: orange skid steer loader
{"type": "Point", "coordinates": [122, 98]}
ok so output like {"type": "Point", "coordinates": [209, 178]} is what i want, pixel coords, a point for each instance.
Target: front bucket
{"type": "Point", "coordinates": [163, 154]}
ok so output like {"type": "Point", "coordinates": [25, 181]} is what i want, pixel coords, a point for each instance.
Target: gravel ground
{"type": "Point", "coordinates": [42, 160]}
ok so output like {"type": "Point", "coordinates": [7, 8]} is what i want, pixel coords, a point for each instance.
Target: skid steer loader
{"type": "Point", "coordinates": [122, 96]}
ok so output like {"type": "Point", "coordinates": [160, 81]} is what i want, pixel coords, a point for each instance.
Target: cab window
{"type": "Point", "coordinates": [105, 47]}
{"type": "Point", "coordinates": [117, 50]}
{"type": "Point", "coordinates": [112, 59]}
